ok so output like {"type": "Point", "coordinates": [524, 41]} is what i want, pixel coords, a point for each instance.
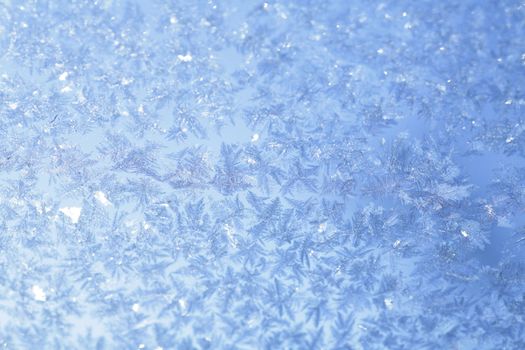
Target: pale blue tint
{"type": "Point", "coordinates": [262, 175]}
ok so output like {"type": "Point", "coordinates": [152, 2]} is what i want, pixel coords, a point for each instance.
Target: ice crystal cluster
{"type": "Point", "coordinates": [262, 175]}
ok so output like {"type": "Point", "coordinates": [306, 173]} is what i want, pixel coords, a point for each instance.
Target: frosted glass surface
{"type": "Point", "coordinates": [262, 175]}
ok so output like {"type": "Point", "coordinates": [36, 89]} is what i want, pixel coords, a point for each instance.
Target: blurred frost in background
{"type": "Point", "coordinates": [277, 175]}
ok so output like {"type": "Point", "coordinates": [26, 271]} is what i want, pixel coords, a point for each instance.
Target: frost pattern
{"type": "Point", "coordinates": [276, 175]}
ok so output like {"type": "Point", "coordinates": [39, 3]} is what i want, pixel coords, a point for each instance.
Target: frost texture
{"type": "Point", "coordinates": [282, 175]}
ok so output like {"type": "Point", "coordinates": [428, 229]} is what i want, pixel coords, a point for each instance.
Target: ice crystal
{"type": "Point", "coordinates": [276, 175]}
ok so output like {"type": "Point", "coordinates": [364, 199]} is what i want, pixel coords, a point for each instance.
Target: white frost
{"type": "Point", "coordinates": [63, 76]}
{"type": "Point", "coordinates": [126, 81]}
{"type": "Point", "coordinates": [230, 232]}
{"type": "Point", "coordinates": [73, 213]}
{"type": "Point", "coordinates": [135, 307]}
{"type": "Point", "coordinates": [185, 58]}
{"type": "Point", "coordinates": [38, 293]}
{"type": "Point", "coordinates": [101, 197]}
{"type": "Point", "coordinates": [66, 89]}
{"type": "Point", "coordinates": [183, 304]}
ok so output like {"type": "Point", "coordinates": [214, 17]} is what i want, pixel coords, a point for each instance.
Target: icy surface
{"type": "Point", "coordinates": [277, 175]}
